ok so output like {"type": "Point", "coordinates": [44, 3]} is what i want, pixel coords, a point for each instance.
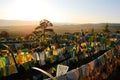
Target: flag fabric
{"type": "Point", "coordinates": [102, 59]}
{"type": "Point", "coordinates": [80, 73]}
{"type": "Point", "coordinates": [77, 73]}
{"type": "Point", "coordinates": [55, 52]}
{"type": "Point", "coordinates": [13, 69]}
{"type": "Point", "coordinates": [102, 40]}
{"type": "Point", "coordinates": [98, 63]}
{"type": "Point", "coordinates": [85, 70]}
{"type": "Point", "coordinates": [61, 70]}
{"type": "Point", "coordinates": [7, 60]}
{"type": "Point", "coordinates": [8, 67]}
{"type": "Point", "coordinates": [71, 75]}
{"type": "Point", "coordinates": [63, 77]}
{"type": "Point", "coordinates": [1, 72]}
{"type": "Point", "coordinates": [60, 56]}
{"type": "Point", "coordinates": [91, 66]}
{"type": "Point", "coordinates": [2, 62]}
{"type": "Point", "coordinates": [42, 58]}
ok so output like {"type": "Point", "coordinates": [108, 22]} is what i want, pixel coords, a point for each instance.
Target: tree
{"type": "Point", "coordinates": [4, 34]}
{"type": "Point", "coordinates": [43, 26]}
{"type": "Point", "coordinates": [117, 31]}
{"type": "Point", "coordinates": [106, 30]}
{"type": "Point", "coordinates": [92, 31]}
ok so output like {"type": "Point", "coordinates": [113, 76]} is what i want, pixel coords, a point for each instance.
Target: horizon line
{"type": "Point", "coordinates": [64, 22]}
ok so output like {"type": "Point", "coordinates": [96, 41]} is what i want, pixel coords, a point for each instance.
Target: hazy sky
{"type": "Point", "coordinates": [69, 11]}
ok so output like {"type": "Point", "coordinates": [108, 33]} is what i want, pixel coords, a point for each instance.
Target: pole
{"type": "Point", "coordinates": [48, 74]}
{"type": "Point", "coordinates": [12, 56]}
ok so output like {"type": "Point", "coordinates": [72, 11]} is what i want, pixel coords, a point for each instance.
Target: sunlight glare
{"type": "Point", "coordinates": [32, 10]}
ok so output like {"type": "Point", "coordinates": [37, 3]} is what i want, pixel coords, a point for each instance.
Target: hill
{"type": "Point", "coordinates": [26, 27]}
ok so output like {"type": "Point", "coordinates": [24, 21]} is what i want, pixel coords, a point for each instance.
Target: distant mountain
{"type": "Point", "coordinates": [19, 26]}
{"type": "Point", "coordinates": [31, 23]}
{"type": "Point", "coordinates": [17, 23]}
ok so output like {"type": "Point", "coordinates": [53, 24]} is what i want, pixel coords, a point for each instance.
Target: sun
{"type": "Point", "coordinates": [34, 10]}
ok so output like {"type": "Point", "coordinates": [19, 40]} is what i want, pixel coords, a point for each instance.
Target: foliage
{"type": "Point", "coordinates": [42, 28]}
{"type": "Point", "coordinates": [117, 31]}
{"type": "Point", "coordinates": [92, 31]}
{"type": "Point", "coordinates": [4, 34]}
{"type": "Point", "coordinates": [106, 29]}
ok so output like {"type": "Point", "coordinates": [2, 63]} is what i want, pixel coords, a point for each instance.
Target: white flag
{"type": "Point", "coordinates": [61, 70]}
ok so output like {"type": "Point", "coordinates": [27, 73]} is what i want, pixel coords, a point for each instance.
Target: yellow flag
{"type": "Point", "coordinates": [55, 52]}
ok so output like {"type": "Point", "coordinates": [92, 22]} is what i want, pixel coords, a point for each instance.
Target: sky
{"type": "Point", "coordinates": [63, 11]}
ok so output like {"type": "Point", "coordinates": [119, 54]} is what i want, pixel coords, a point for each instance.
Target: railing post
{"type": "Point", "coordinates": [46, 73]}
{"type": "Point", "coordinates": [12, 56]}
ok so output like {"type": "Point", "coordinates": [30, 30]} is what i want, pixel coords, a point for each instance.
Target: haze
{"type": "Point", "coordinates": [63, 11]}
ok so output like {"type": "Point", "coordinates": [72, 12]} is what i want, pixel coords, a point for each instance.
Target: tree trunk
{"type": "Point", "coordinates": [44, 30]}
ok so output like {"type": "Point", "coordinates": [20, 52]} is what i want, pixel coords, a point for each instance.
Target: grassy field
{"type": "Point", "coordinates": [24, 30]}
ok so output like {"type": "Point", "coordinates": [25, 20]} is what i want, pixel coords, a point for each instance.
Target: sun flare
{"type": "Point", "coordinates": [33, 10]}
